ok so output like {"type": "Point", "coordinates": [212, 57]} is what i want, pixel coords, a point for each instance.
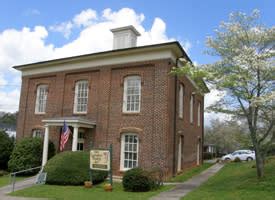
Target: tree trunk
{"type": "Point", "coordinates": [259, 161]}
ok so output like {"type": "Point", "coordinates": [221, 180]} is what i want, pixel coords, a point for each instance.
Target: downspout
{"type": "Point", "coordinates": [175, 122]}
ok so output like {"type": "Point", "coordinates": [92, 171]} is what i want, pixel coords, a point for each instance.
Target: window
{"type": "Point", "coordinates": [129, 151]}
{"type": "Point", "coordinates": [41, 99]}
{"type": "Point", "coordinates": [37, 133]}
{"type": "Point", "coordinates": [199, 114]}
{"type": "Point", "coordinates": [81, 97]}
{"type": "Point", "coordinates": [191, 108]}
{"type": "Point", "coordinates": [131, 95]}
{"type": "Point", "coordinates": [181, 93]}
{"type": "Point", "coordinates": [80, 141]}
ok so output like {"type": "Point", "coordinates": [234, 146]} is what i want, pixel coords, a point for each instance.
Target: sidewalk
{"type": "Point", "coordinates": [184, 188]}
{"type": "Point", "coordinates": [18, 186]}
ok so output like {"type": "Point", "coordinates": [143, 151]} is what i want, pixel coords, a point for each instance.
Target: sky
{"type": "Point", "coordinates": [32, 31]}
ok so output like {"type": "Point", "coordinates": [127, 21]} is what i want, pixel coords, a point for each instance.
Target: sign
{"type": "Point", "coordinates": [41, 178]}
{"type": "Point", "coordinates": [100, 160]}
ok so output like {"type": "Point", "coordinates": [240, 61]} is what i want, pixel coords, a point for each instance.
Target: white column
{"type": "Point", "coordinates": [45, 146]}
{"type": "Point", "coordinates": [75, 138]}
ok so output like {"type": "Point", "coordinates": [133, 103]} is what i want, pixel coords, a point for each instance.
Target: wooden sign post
{"type": "Point", "coordinates": [101, 159]}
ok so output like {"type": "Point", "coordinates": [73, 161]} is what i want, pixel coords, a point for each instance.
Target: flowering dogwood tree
{"type": "Point", "coordinates": [245, 71]}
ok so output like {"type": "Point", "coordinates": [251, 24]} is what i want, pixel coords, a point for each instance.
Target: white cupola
{"type": "Point", "coordinates": [125, 37]}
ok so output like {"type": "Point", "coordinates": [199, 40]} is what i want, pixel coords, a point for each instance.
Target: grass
{"type": "Point", "coordinates": [79, 192]}
{"type": "Point", "coordinates": [5, 180]}
{"type": "Point", "coordinates": [190, 173]}
{"type": "Point", "coordinates": [238, 181]}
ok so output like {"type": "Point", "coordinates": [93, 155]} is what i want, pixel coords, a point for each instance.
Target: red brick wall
{"type": "Point", "coordinates": [154, 125]}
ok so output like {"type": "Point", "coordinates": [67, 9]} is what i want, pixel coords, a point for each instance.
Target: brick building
{"type": "Point", "coordinates": [125, 96]}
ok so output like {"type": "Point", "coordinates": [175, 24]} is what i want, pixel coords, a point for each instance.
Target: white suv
{"type": "Point", "coordinates": [247, 155]}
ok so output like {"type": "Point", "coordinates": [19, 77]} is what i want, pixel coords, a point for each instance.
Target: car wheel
{"type": "Point", "coordinates": [249, 159]}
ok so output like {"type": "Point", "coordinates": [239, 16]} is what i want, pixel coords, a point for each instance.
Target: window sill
{"type": "Point", "coordinates": [130, 113]}
{"type": "Point", "coordinates": [40, 113]}
{"type": "Point", "coordinates": [80, 113]}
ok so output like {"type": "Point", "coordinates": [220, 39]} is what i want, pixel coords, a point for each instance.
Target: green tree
{"type": "Point", "coordinates": [6, 146]}
{"type": "Point", "coordinates": [245, 71]}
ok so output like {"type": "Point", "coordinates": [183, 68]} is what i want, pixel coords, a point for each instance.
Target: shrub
{"type": "Point", "coordinates": [6, 146]}
{"type": "Point", "coordinates": [71, 168]}
{"type": "Point", "coordinates": [237, 159]}
{"type": "Point", "coordinates": [138, 180]}
{"type": "Point", "coordinates": [28, 154]}
{"type": "Point", "coordinates": [208, 156]}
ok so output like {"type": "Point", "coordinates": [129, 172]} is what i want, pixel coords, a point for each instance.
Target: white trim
{"type": "Point", "coordinates": [191, 110]}
{"type": "Point", "coordinates": [125, 87]}
{"type": "Point", "coordinates": [45, 97]}
{"type": "Point", "coordinates": [180, 98]}
{"type": "Point", "coordinates": [199, 114]}
{"type": "Point", "coordinates": [98, 60]}
{"type": "Point", "coordinates": [70, 122]}
{"type": "Point", "coordinates": [122, 150]}
{"type": "Point", "coordinates": [76, 96]}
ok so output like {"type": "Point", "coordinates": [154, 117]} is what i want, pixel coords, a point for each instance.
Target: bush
{"type": "Point", "coordinates": [208, 156]}
{"type": "Point", "coordinates": [138, 180]}
{"type": "Point", "coordinates": [6, 146]}
{"type": "Point", "coordinates": [237, 159]}
{"type": "Point", "coordinates": [28, 154]}
{"type": "Point", "coordinates": [71, 168]}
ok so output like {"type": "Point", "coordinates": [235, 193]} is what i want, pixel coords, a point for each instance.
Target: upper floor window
{"type": "Point", "coordinates": [181, 93]}
{"type": "Point", "coordinates": [81, 97]}
{"type": "Point", "coordinates": [41, 99]}
{"type": "Point", "coordinates": [37, 133]}
{"type": "Point", "coordinates": [129, 151]}
{"type": "Point", "coordinates": [191, 108]}
{"type": "Point", "coordinates": [132, 93]}
{"type": "Point", "coordinates": [199, 114]}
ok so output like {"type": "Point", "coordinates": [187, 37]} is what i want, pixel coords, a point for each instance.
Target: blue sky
{"type": "Point", "coordinates": [52, 30]}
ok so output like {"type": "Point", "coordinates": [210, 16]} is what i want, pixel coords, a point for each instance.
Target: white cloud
{"type": "Point", "coordinates": [85, 17]}
{"type": "Point", "coordinates": [28, 44]}
{"type": "Point", "coordinates": [31, 12]}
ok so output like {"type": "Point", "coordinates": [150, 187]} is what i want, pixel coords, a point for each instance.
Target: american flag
{"type": "Point", "coordinates": [64, 136]}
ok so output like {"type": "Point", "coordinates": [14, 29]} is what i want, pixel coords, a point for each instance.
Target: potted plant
{"type": "Point", "coordinates": [88, 184]}
{"type": "Point", "coordinates": [108, 187]}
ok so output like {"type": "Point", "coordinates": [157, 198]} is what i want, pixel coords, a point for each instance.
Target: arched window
{"type": "Point", "coordinates": [199, 113]}
{"type": "Point", "coordinates": [191, 108]}
{"type": "Point", "coordinates": [132, 94]}
{"type": "Point", "coordinates": [129, 151]}
{"type": "Point", "coordinates": [37, 133]}
{"type": "Point", "coordinates": [181, 93]}
{"type": "Point", "coordinates": [41, 99]}
{"type": "Point", "coordinates": [81, 96]}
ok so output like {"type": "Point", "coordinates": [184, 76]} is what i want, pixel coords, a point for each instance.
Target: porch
{"type": "Point", "coordinates": [74, 122]}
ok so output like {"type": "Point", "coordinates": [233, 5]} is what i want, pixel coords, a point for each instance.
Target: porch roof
{"type": "Point", "coordinates": [71, 121]}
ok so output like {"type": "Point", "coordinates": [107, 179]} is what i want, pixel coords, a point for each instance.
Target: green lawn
{"type": "Point", "coordinates": [190, 173]}
{"type": "Point", "coordinates": [5, 180]}
{"type": "Point", "coordinates": [238, 181]}
{"type": "Point", "coordinates": [79, 192]}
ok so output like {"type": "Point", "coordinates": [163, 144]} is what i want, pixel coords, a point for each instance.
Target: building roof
{"type": "Point", "coordinates": [100, 58]}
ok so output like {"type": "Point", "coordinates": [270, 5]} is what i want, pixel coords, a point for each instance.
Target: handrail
{"type": "Point", "coordinates": [13, 175]}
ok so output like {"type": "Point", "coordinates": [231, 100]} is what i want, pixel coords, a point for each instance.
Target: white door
{"type": "Point", "coordinates": [179, 154]}
{"type": "Point", "coordinates": [198, 153]}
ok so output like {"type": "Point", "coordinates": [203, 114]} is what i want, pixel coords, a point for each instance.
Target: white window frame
{"type": "Point", "coordinates": [122, 151]}
{"type": "Point", "coordinates": [37, 133]}
{"type": "Point", "coordinates": [76, 97]}
{"type": "Point", "coordinates": [125, 95]}
{"type": "Point", "coordinates": [181, 94]}
{"type": "Point", "coordinates": [41, 99]}
{"type": "Point", "coordinates": [192, 109]}
{"type": "Point", "coordinates": [199, 114]}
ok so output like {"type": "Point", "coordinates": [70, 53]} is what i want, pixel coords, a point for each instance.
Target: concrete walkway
{"type": "Point", "coordinates": [184, 188]}
{"type": "Point", "coordinates": [18, 186]}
